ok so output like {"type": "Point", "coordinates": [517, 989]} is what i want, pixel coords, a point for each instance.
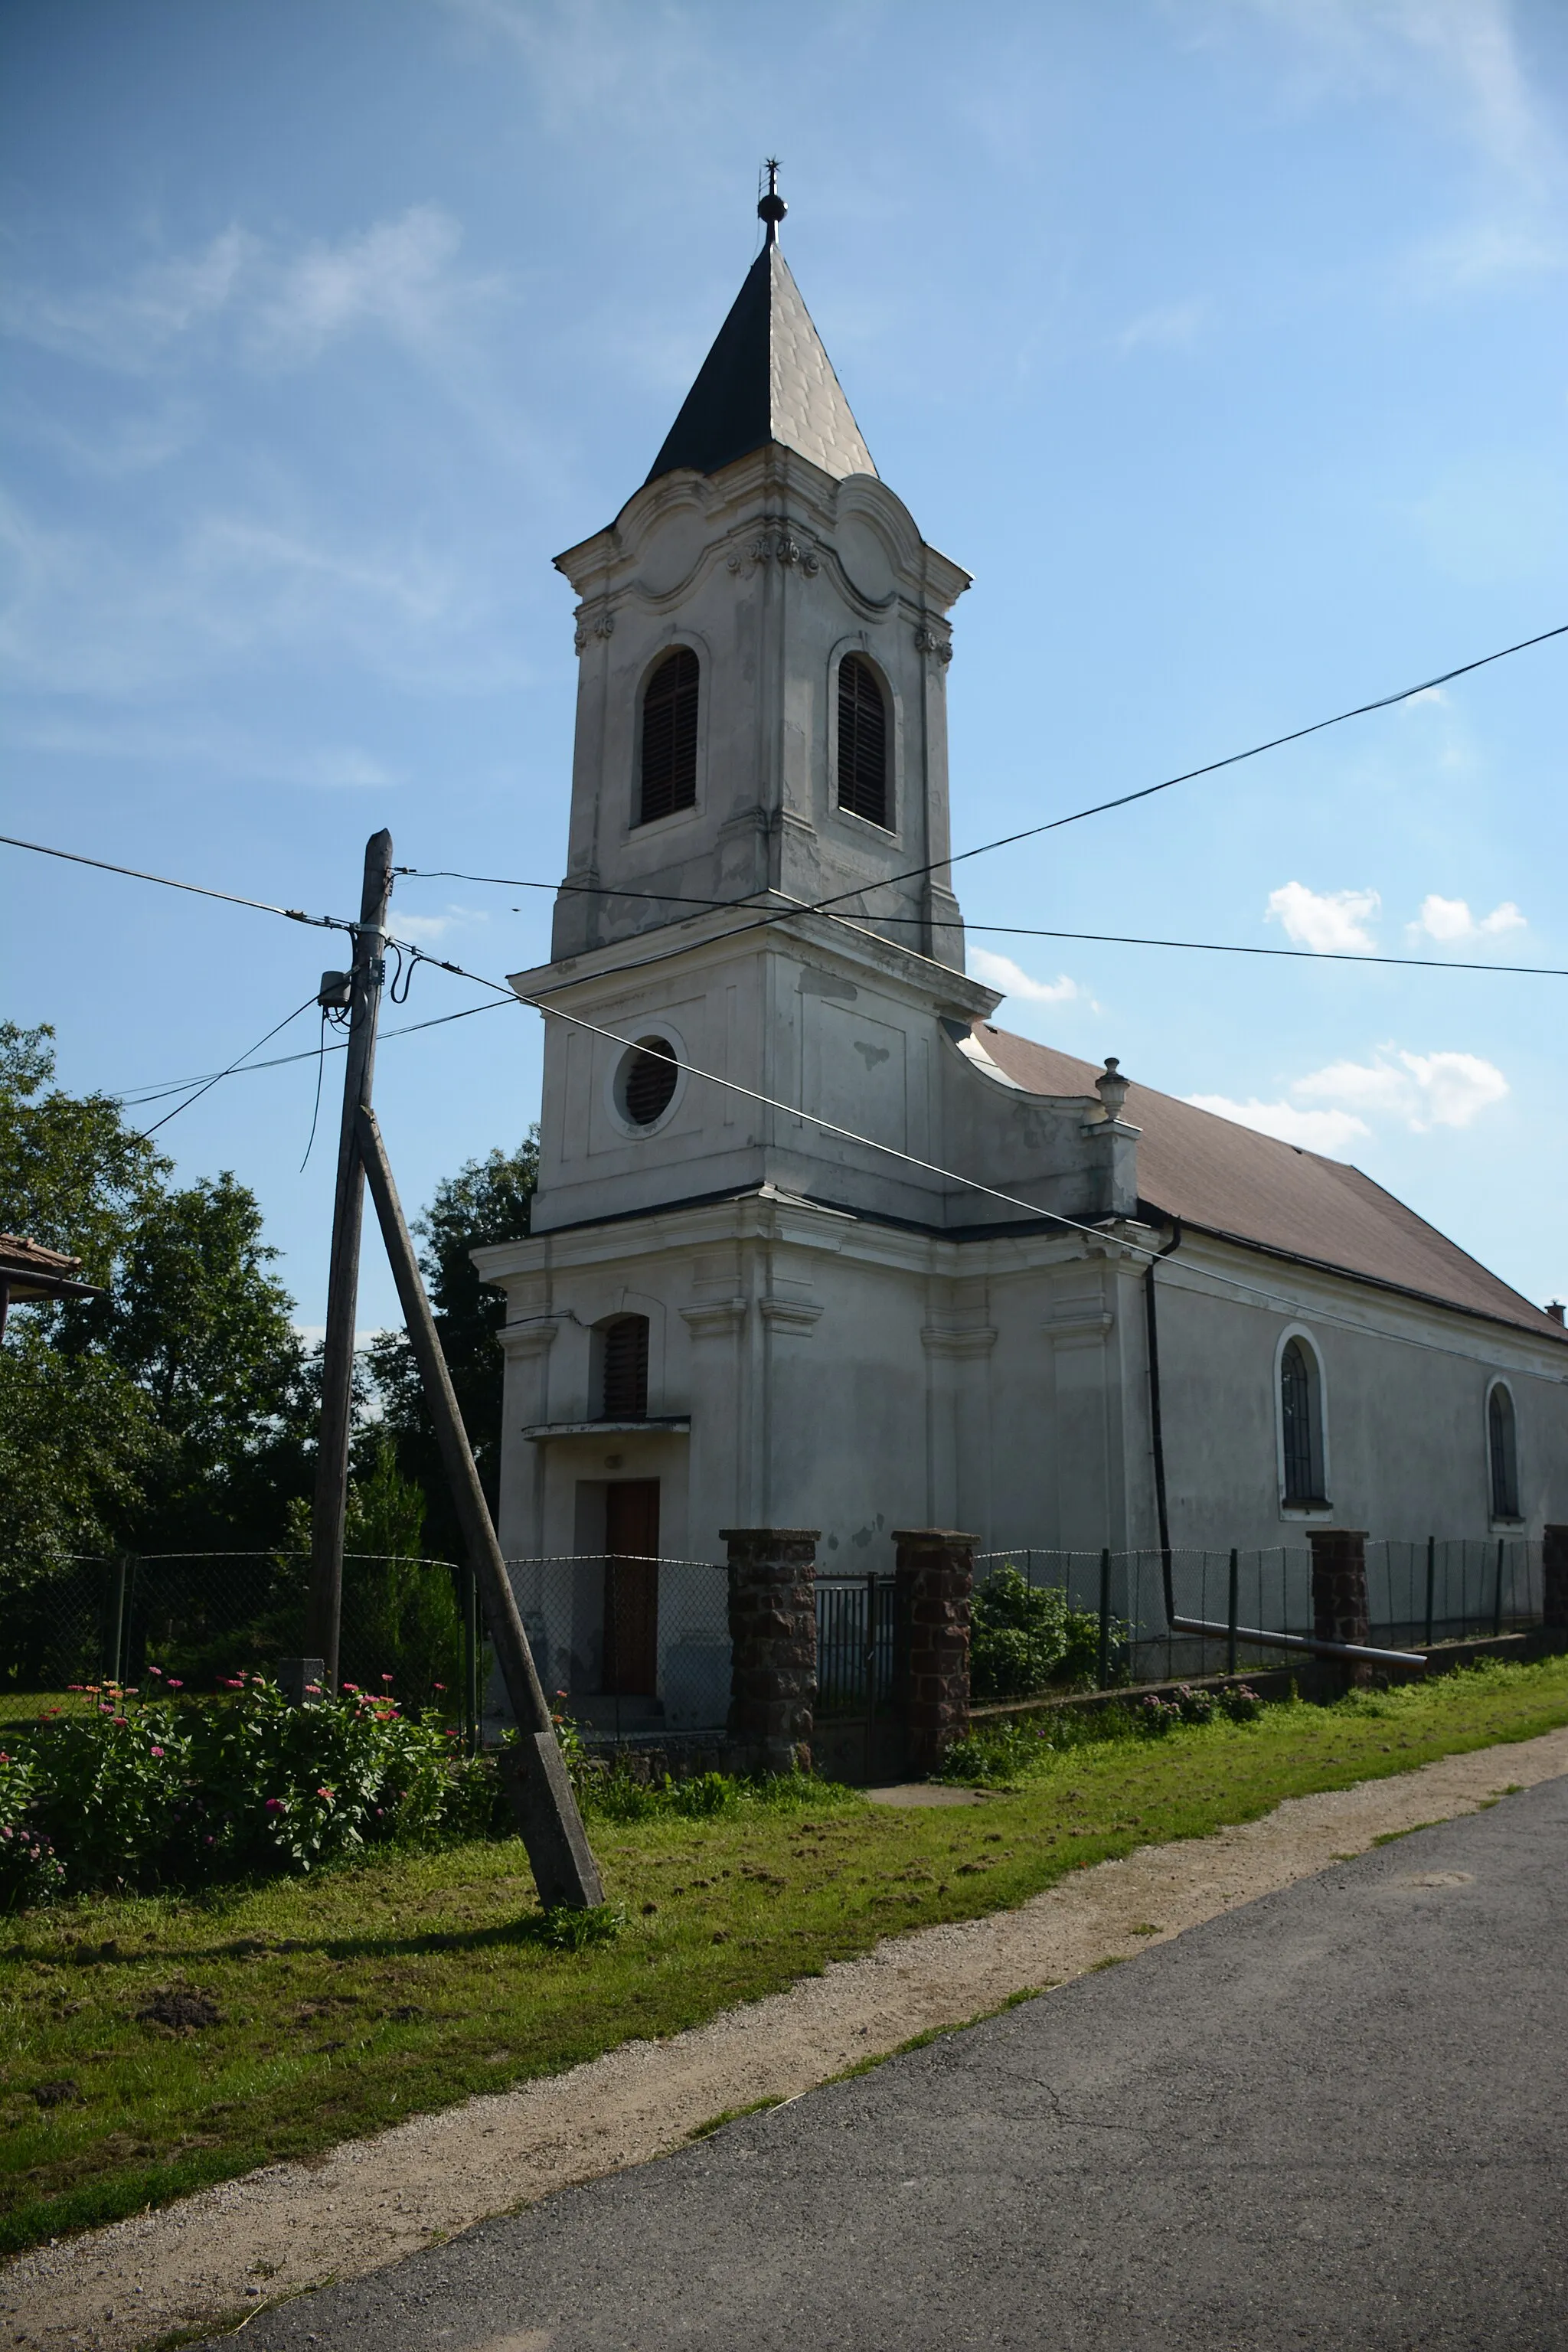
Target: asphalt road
{"type": "Point", "coordinates": [1338, 2117]}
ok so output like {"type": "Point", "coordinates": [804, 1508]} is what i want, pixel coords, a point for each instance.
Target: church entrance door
{"type": "Point", "coordinates": [631, 1587]}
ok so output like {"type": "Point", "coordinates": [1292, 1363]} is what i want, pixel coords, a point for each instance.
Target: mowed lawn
{"type": "Point", "coordinates": [346, 2002]}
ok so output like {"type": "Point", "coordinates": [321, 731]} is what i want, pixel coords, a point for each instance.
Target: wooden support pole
{"type": "Point", "coordinates": [548, 1819]}
{"type": "Point", "coordinates": [323, 1619]}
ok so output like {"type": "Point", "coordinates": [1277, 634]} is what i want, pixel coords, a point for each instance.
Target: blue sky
{"type": "Point", "coordinates": [1222, 341]}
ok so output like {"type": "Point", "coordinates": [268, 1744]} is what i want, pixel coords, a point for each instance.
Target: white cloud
{"type": "Point", "coordinates": [1327, 921]}
{"type": "Point", "coordinates": [1423, 1090]}
{"type": "Point", "coordinates": [1450, 921]}
{"type": "Point", "coordinates": [430, 928]}
{"type": "Point", "coordinates": [222, 751]}
{"type": "Point", "coordinates": [398, 276]}
{"type": "Point", "coordinates": [1001, 972]}
{"type": "Point", "coordinates": [1331, 1107]}
{"type": "Point", "coordinates": [1172, 326]}
{"type": "Point", "coordinates": [1328, 1131]}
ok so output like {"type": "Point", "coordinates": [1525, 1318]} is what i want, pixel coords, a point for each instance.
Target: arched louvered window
{"type": "Point", "coordinates": [1302, 1423]}
{"type": "Point", "coordinates": [623, 1372]}
{"type": "Point", "coordinates": [863, 785]}
{"type": "Point", "coordinates": [669, 737]}
{"type": "Point", "coordinates": [1502, 1453]}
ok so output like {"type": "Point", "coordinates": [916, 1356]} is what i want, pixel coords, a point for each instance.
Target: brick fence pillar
{"type": "Point", "coordinates": [1554, 1578]}
{"type": "Point", "coordinates": [1339, 1588]}
{"type": "Point", "coordinates": [934, 1578]}
{"type": "Point", "coordinates": [772, 1633]}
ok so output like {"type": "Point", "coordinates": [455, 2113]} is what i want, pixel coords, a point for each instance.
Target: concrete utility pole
{"type": "Point", "coordinates": [323, 1622]}
{"type": "Point", "coordinates": [535, 1774]}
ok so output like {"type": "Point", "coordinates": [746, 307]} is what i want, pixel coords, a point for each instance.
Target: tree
{"type": "Point", "coordinates": [175, 1408]}
{"type": "Point", "coordinates": [205, 1331]}
{"type": "Point", "coordinates": [489, 1199]}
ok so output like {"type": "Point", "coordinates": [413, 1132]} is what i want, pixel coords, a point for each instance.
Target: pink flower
{"type": "Point", "coordinates": [438, 1685]}
{"type": "Point", "coordinates": [175, 1683]}
{"type": "Point", "coordinates": [154, 1670]}
{"type": "Point", "coordinates": [275, 1804]}
{"type": "Point", "coordinates": [387, 1678]}
{"type": "Point", "coordinates": [155, 1751]}
{"type": "Point", "coordinates": [326, 1792]}
{"type": "Point", "coordinates": [351, 1690]}
{"type": "Point", "coordinates": [119, 1719]}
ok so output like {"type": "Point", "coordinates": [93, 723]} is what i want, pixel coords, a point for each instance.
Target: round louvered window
{"type": "Point", "coordinates": [645, 1083]}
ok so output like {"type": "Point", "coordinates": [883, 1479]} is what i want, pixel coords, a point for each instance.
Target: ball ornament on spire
{"type": "Point", "coordinates": [772, 207]}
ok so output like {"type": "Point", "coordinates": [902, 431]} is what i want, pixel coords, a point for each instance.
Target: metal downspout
{"type": "Point", "coordinates": [1156, 1424]}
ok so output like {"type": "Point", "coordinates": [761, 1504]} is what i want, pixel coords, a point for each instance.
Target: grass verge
{"type": "Point", "coordinates": [342, 2004]}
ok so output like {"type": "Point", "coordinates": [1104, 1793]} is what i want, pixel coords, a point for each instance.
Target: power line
{"type": "Point", "coordinates": [952, 1175]}
{"type": "Point", "coordinates": [140, 1098]}
{"type": "Point", "coordinates": [1052, 824]}
{"type": "Point", "coordinates": [1016, 930]}
{"type": "Point", "coordinates": [233, 1066]}
{"type": "Point", "coordinates": [198, 889]}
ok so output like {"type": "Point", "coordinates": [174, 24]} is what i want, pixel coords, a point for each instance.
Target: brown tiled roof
{"type": "Point", "coordinates": [1228, 1178]}
{"type": "Point", "coordinates": [31, 1271]}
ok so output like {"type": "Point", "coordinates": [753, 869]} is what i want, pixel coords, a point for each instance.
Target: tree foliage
{"type": "Point", "coordinates": [489, 1199]}
{"type": "Point", "coordinates": [173, 1411]}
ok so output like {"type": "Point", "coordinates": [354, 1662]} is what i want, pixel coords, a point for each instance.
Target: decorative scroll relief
{"type": "Point", "coordinates": [776, 545]}
{"type": "Point", "coordinates": [603, 624]}
{"type": "Point", "coordinates": [935, 643]}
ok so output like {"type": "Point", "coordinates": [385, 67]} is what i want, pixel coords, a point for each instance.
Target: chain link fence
{"type": "Point", "coordinates": [635, 1648]}
{"type": "Point", "coordinates": [1418, 1593]}
{"type": "Point", "coordinates": [411, 1626]}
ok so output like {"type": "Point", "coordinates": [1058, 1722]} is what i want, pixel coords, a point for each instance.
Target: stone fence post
{"type": "Point", "coordinates": [1338, 1590]}
{"type": "Point", "coordinates": [772, 1635]}
{"type": "Point", "coordinates": [934, 1579]}
{"type": "Point", "coordinates": [1554, 1578]}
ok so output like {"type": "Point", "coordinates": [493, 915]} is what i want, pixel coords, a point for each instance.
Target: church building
{"type": "Point", "coordinates": [903, 1268]}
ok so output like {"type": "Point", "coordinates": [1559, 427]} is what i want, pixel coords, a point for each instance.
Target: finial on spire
{"type": "Point", "coordinates": [772, 207]}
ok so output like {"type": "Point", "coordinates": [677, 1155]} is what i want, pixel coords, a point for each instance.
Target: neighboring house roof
{"type": "Point", "coordinates": [767, 378]}
{"type": "Point", "coordinates": [28, 1270]}
{"type": "Point", "coordinates": [1228, 1179]}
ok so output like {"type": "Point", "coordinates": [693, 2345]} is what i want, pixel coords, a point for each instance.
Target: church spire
{"type": "Point", "coordinates": [767, 378]}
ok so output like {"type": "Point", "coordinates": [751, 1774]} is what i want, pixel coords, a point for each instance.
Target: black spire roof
{"type": "Point", "coordinates": [767, 378]}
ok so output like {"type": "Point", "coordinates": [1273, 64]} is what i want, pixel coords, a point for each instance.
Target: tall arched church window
{"type": "Point", "coordinates": [863, 785]}
{"type": "Point", "coordinates": [1302, 1423]}
{"type": "Point", "coordinates": [669, 737]}
{"type": "Point", "coordinates": [1502, 1453]}
{"type": "Point", "coordinates": [624, 1375]}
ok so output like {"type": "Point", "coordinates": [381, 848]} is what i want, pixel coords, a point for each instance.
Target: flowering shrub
{"type": "Point", "coordinates": [30, 1871]}
{"type": "Point", "coordinates": [153, 1790]}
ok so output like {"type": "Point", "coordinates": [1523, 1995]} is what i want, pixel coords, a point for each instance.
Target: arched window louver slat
{"type": "Point", "coordinates": [625, 1369]}
{"type": "Point", "coordinates": [1502, 1453]}
{"type": "Point", "coordinates": [1302, 1422]}
{"type": "Point", "coordinates": [669, 737]}
{"type": "Point", "coordinates": [863, 742]}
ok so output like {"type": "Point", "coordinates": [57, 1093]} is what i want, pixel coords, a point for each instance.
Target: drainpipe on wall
{"type": "Point", "coordinates": [1156, 1425]}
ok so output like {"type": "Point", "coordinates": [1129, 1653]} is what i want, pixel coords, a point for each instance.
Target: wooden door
{"type": "Point", "coordinates": [631, 1587]}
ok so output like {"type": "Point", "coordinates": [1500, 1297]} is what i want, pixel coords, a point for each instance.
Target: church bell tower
{"type": "Point", "coordinates": [763, 641]}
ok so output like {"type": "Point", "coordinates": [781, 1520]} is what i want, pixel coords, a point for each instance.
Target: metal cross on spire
{"type": "Point", "coordinates": [772, 207]}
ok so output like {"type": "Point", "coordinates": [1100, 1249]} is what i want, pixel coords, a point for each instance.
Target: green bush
{"type": "Point", "coordinates": [1023, 1637]}
{"type": "Point", "coordinates": [160, 1790]}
